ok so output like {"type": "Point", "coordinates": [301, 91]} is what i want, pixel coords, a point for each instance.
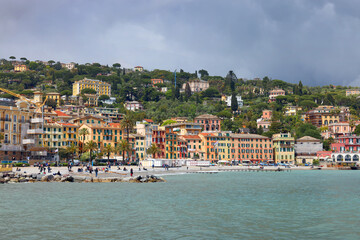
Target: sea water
{"type": "Point", "coordinates": [228, 205]}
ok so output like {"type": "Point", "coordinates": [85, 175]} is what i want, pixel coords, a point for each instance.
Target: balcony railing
{"type": "Point", "coordinates": [35, 131]}
{"type": "Point", "coordinates": [36, 120]}
{"type": "Point", "coordinates": [28, 141]}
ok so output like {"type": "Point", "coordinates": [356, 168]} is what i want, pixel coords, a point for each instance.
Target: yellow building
{"type": "Point", "coordinates": [329, 118]}
{"type": "Point", "coordinates": [140, 150]}
{"type": "Point", "coordinates": [283, 148]}
{"type": "Point", "coordinates": [101, 88]}
{"type": "Point", "coordinates": [54, 96]}
{"type": "Point", "coordinates": [138, 69]}
{"type": "Point", "coordinates": [21, 68]}
{"type": "Point", "coordinates": [38, 96]}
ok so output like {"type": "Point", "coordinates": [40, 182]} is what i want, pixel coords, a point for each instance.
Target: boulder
{"type": "Point", "coordinates": [1, 175]}
{"type": "Point", "coordinates": [39, 177]}
{"type": "Point", "coordinates": [69, 179]}
{"type": "Point", "coordinates": [22, 179]}
{"type": "Point", "coordinates": [34, 176]}
{"type": "Point", "coordinates": [79, 179]}
{"type": "Point", "coordinates": [47, 178]}
{"type": "Point", "coordinates": [7, 179]}
{"type": "Point", "coordinates": [88, 179]}
{"type": "Point", "coordinates": [2, 180]}
{"type": "Point", "coordinates": [14, 180]}
{"type": "Point", "coordinates": [57, 178]}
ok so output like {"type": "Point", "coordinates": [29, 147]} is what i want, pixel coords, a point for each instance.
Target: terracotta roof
{"type": "Point", "coordinates": [208, 116]}
{"type": "Point", "coordinates": [149, 120]}
{"type": "Point", "coordinates": [308, 139]}
{"type": "Point", "coordinates": [236, 135]}
{"type": "Point", "coordinates": [191, 137]}
{"type": "Point", "coordinates": [117, 125]}
{"type": "Point", "coordinates": [68, 124]}
{"type": "Point", "coordinates": [61, 114]}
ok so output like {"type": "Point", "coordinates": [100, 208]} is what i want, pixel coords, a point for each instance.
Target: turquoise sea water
{"type": "Point", "coordinates": [229, 205]}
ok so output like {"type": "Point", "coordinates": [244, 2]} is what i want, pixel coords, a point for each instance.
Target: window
{"type": "Point", "coordinates": [14, 139]}
{"type": "Point", "coordinates": [6, 126]}
{"type": "Point", "coordinates": [15, 118]}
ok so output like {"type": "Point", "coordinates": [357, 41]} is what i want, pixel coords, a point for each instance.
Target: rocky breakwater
{"type": "Point", "coordinates": [23, 177]}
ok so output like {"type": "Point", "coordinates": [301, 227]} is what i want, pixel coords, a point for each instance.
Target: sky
{"type": "Point", "coordinates": [313, 41]}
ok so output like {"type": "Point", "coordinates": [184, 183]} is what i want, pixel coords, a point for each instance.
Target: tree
{"type": "Point", "coordinates": [357, 130]}
{"type": "Point", "coordinates": [12, 57]}
{"type": "Point", "coordinates": [187, 91]}
{"type": "Point", "coordinates": [307, 129]}
{"type": "Point", "coordinates": [51, 62]}
{"type": "Point", "coordinates": [90, 146]}
{"type": "Point", "coordinates": [107, 150]}
{"type": "Point", "coordinates": [23, 59]}
{"type": "Point", "coordinates": [51, 103]}
{"type": "Point", "coordinates": [203, 73]}
{"type": "Point", "coordinates": [234, 102]}
{"type": "Point", "coordinates": [153, 150]}
{"type": "Point", "coordinates": [72, 150]}
{"type": "Point", "coordinates": [127, 124]}
{"type": "Point", "coordinates": [104, 97]}
{"type": "Point", "coordinates": [116, 65]}
{"type": "Point", "coordinates": [168, 122]}
{"type": "Point", "coordinates": [83, 132]}
{"type": "Point", "coordinates": [123, 147]}
{"type": "Point", "coordinates": [88, 91]}
{"type": "Point", "coordinates": [1, 138]}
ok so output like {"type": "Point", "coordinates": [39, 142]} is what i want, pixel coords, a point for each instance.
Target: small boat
{"type": "Point", "coordinates": [355, 168]}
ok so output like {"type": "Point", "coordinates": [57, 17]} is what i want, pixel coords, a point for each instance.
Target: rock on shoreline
{"type": "Point", "coordinates": [23, 177]}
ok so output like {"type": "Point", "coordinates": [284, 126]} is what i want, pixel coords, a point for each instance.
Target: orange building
{"type": "Point", "coordinates": [156, 81]}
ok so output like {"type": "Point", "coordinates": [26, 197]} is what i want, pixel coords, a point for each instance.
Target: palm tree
{"type": "Point", "coordinates": [107, 150]}
{"type": "Point", "coordinates": [123, 147]}
{"type": "Point", "coordinates": [91, 146]}
{"type": "Point", "coordinates": [127, 124]}
{"type": "Point", "coordinates": [72, 149]}
{"type": "Point", "coordinates": [153, 150]}
{"type": "Point", "coordinates": [83, 132]}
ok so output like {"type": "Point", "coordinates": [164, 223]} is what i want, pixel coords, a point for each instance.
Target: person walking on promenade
{"type": "Point", "coordinates": [96, 171]}
{"type": "Point", "coordinates": [131, 172]}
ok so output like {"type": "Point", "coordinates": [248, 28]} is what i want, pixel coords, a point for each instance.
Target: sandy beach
{"type": "Point", "coordinates": [115, 172]}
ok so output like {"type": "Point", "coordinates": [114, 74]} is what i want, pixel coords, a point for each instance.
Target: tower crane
{"type": "Point", "coordinates": [36, 104]}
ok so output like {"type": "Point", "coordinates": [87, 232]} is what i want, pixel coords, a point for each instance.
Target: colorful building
{"type": "Point", "coordinates": [101, 88]}
{"type": "Point", "coordinates": [209, 122]}
{"type": "Point", "coordinates": [284, 148]}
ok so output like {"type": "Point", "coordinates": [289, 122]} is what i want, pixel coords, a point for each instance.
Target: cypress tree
{"type": "Point", "coordinates": [187, 91]}
{"type": "Point", "coordinates": [234, 103]}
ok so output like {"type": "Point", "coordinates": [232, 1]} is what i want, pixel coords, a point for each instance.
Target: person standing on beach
{"type": "Point", "coordinates": [96, 171]}
{"type": "Point", "coordinates": [131, 172]}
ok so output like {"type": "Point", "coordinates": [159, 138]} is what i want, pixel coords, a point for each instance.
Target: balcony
{"type": "Point", "coordinates": [71, 139]}
{"type": "Point", "coordinates": [35, 131]}
{"type": "Point", "coordinates": [36, 120]}
{"type": "Point", "coordinates": [28, 141]}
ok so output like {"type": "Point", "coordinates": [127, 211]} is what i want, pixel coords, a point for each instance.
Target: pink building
{"type": "Point", "coordinates": [266, 114]}
{"type": "Point", "coordinates": [274, 93]}
{"type": "Point", "coordinates": [349, 143]}
{"type": "Point", "coordinates": [209, 122]}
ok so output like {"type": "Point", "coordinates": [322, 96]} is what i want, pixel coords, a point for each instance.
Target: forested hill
{"type": "Point", "coordinates": [128, 85]}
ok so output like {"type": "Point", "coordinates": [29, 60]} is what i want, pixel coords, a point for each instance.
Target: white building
{"type": "Point", "coordinates": [133, 105]}
{"type": "Point", "coordinates": [238, 98]}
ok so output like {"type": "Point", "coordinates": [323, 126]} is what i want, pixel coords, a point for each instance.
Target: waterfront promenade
{"type": "Point", "coordinates": [115, 172]}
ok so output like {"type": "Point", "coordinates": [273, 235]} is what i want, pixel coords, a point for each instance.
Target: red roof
{"type": "Point", "coordinates": [149, 120]}
{"type": "Point", "coordinates": [115, 125]}
{"type": "Point", "coordinates": [67, 124]}
{"type": "Point", "coordinates": [138, 67]}
{"type": "Point", "coordinates": [61, 114]}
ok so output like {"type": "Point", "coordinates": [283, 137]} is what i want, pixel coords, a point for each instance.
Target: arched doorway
{"type": "Point", "coordinates": [347, 158]}
{"type": "Point", "coordinates": [339, 158]}
{"type": "Point", "coordinates": [356, 158]}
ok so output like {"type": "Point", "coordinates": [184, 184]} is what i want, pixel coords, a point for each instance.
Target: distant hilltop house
{"type": "Point", "coordinates": [274, 93]}
{"type": "Point", "coordinates": [156, 81]}
{"type": "Point", "coordinates": [197, 85]}
{"type": "Point", "coordinates": [352, 92]}
{"type": "Point", "coordinates": [138, 69]}
{"type": "Point", "coordinates": [69, 66]}
{"type": "Point", "coordinates": [133, 105]}
{"type": "Point", "coordinates": [292, 110]}
{"type": "Point", "coordinates": [101, 88]}
{"type": "Point", "coordinates": [227, 99]}
{"type": "Point", "coordinates": [21, 68]}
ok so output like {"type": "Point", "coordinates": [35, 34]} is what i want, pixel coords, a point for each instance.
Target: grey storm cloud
{"type": "Point", "coordinates": [312, 41]}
